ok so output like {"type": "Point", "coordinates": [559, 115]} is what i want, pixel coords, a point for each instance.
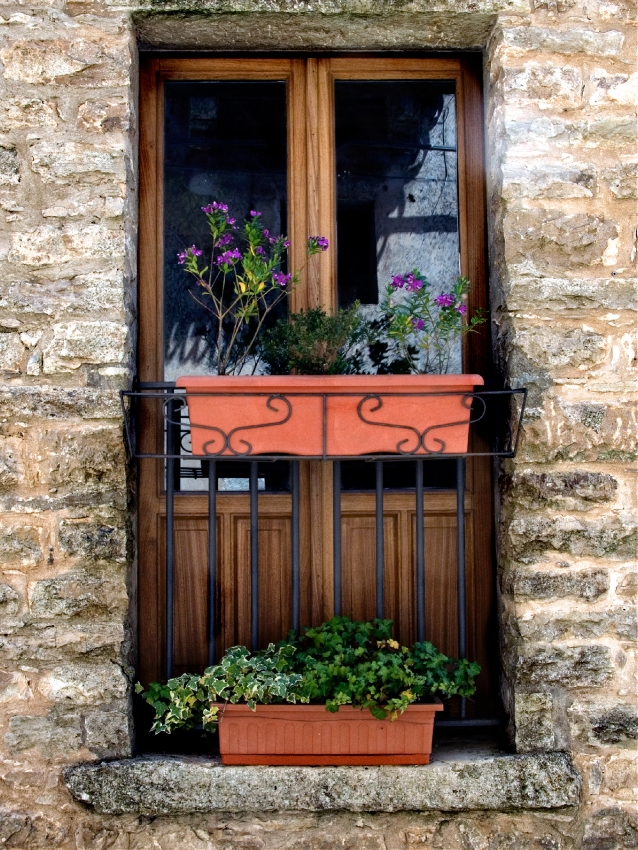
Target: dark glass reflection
{"type": "Point", "coordinates": [224, 141]}
{"type": "Point", "coordinates": [396, 184]}
{"type": "Point", "coordinates": [400, 475]}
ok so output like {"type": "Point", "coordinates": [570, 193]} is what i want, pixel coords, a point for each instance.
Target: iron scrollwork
{"type": "Point", "coordinates": [227, 438]}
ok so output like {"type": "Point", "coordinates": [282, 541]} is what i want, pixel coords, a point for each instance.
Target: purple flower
{"type": "Point", "coordinates": [462, 309]}
{"type": "Point", "coordinates": [281, 279]}
{"type": "Point", "coordinates": [398, 281]}
{"type": "Point", "coordinates": [193, 251]}
{"type": "Point", "coordinates": [230, 221]}
{"type": "Point", "coordinates": [317, 243]}
{"type": "Point", "coordinates": [255, 214]}
{"type": "Point", "coordinates": [225, 240]}
{"type": "Point", "coordinates": [445, 300]}
{"type": "Point", "coordinates": [413, 283]}
{"type": "Point", "coordinates": [228, 257]}
{"type": "Point", "coordinates": [418, 324]}
{"type": "Point", "coordinates": [209, 209]}
{"type": "Point", "coordinates": [259, 250]}
{"type": "Point", "coordinates": [266, 233]}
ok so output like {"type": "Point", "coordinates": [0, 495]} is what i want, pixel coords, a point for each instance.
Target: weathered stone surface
{"type": "Point", "coordinates": [48, 246]}
{"type": "Point", "coordinates": [9, 169]}
{"type": "Point", "coordinates": [21, 112]}
{"type": "Point", "coordinates": [107, 734]}
{"type": "Point", "coordinates": [565, 41]}
{"type": "Point", "coordinates": [102, 116]}
{"type": "Point", "coordinates": [555, 584]}
{"type": "Point", "coordinates": [557, 347]}
{"type": "Point", "coordinates": [613, 534]}
{"type": "Point", "coordinates": [84, 684]}
{"type": "Point", "coordinates": [534, 722]}
{"type": "Point", "coordinates": [553, 239]}
{"type": "Point", "coordinates": [77, 593]}
{"type": "Point", "coordinates": [69, 457]}
{"type": "Point", "coordinates": [20, 545]}
{"type": "Point", "coordinates": [548, 180]}
{"type": "Point", "coordinates": [543, 84]}
{"type": "Point", "coordinates": [70, 162]}
{"type": "Point", "coordinates": [617, 724]}
{"type": "Point", "coordinates": [12, 352]}
{"type": "Point", "coordinates": [53, 735]}
{"type": "Point", "coordinates": [98, 62]}
{"type": "Point", "coordinates": [611, 829]}
{"type": "Point", "coordinates": [26, 403]}
{"type": "Point", "coordinates": [567, 666]}
{"type": "Point", "coordinates": [623, 180]}
{"type": "Point", "coordinates": [93, 539]}
{"type": "Point", "coordinates": [15, 828]}
{"type": "Point", "coordinates": [164, 785]}
{"type": "Point", "coordinates": [619, 621]}
{"type": "Point", "coordinates": [628, 587]}
{"type": "Point", "coordinates": [9, 599]}
{"type": "Point", "coordinates": [78, 343]}
{"type": "Point", "coordinates": [538, 489]}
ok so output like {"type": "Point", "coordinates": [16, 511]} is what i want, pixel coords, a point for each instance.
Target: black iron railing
{"type": "Point", "coordinates": [495, 415]}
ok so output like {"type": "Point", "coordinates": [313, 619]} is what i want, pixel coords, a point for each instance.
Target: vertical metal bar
{"type": "Point", "coordinates": [170, 536]}
{"type": "Point", "coordinates": [380, 555]}
{"type": "Point", "coordinates": [296, 584]}
{"type": "Point", "coordinates": [460, 536]}
{"type": "Point", "coordinates": [254, 556]}
{"type": "Point", "coordinates": [420, 555]}
{"type": "Point", "coordinates": [212, 558]}
{"type": "Point", "coordinates": [336, 538]}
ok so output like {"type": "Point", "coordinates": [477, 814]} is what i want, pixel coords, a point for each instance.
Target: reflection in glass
{"type": "Point", "coordinates": [224, 141]}
{"type": "Point", "coordinates": [397, 200]}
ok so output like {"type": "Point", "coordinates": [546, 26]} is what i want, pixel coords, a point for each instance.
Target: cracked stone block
{"type": "Point", "coordinates": [534, 722]}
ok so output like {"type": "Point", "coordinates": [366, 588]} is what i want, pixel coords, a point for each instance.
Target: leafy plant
{"type": "Point", "coordinates": [262, 677]}
{"type": "Point", "coordinates": [340, 662]}
{"type": "Point", "coordinates": [242, 283]}
{"type": "Point", "coordinates": [423, 327]}
{"type": "Point", "coordinates": [315, 343]}
{"type": "Point", "coordinates": [344, 662]}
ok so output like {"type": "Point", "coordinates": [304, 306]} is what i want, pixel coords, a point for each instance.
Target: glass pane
{"type": "Point", "coordinates": [224, 141]}
{"type": "Point", "coordinates": [399, 475]}
{"type": "Point", "coordinates": [397, 199]}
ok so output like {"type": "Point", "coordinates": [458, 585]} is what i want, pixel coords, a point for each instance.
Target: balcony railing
{"type": "Point", "coordinates": [495, 426]}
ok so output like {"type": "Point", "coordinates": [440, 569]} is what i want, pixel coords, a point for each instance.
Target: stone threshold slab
{"type": "Point", "coordinates": [169, 785]}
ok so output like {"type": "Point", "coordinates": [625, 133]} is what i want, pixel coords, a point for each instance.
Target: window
{"type": "Point", "coordinates": [384, 156]}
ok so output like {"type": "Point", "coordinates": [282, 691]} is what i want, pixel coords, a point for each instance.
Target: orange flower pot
{"type": "Point", "coordinates": [329, 416]}
{"type": "Point", "coordinates": [310, 735]}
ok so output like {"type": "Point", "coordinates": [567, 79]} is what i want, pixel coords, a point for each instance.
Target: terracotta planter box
{"type": "Point", "coordinates": [310, 735]}
{"type": "Point", "coordinates": [328, 416]}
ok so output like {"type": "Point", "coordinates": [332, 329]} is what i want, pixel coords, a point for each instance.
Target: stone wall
{"type": "Point", "coordinates": [561, 89]}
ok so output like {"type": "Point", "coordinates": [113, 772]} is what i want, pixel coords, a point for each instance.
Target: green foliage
{"type": "Point", "coordinates": [315, 343]}
{"type": "Point", "coordinates": [340, 662]}
{"type": "Point", "coordinates": [343, 662]}
{"type": "Point", "coordinates": [262, 678]}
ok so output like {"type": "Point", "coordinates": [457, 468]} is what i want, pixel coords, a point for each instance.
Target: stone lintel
{"type": "Point", "coordinates": [169, 785]}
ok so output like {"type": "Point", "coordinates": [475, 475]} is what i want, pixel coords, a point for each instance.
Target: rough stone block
{"type": "Point", "coordinates": [84, 684]}
{"type": "Point", "coordinates": [623, 180]}
{"type": "Point", "coordinates": [555, 584]}
{"type": "Point", "coordinates": [551, 293]}
{"type": "Point", "coordinates": [617, 724]}
{"type": "Point", "coordinates": [566, 666]}
{"type": "Point", "coordinates": [548, 180]}
{"type": "Point", "coordinates": [102, 62]}
{"type": "Point", "coordinates": [563, 489]}
{"type": "Point", "coordinates": [609, 535]}
{"type": "Point", "coordinates": [618, 622]}
{"type": "Point", "coordinates": [552, 239]}
{"type": "Point", "coordinates": [53, 735]}
{"type": "Point", "coordinates": [534, 722]}
{"type": "Point", "coordinates": [611, 829]}
{"type": "Point", "coordinates": [20, 545]}
{"type": "Point", "coordinates": [108, 734]}
{"type": "Point", "coordinates": [103, 116]}
{"type": "Point", "coordinates": [73, 456]}
{"type": "Point", "coordinates": [77, 593]}
{"type": "Point", "coordinates": [71, 162]}
{"type": "Point", "coordinates": [12, 352]}
{"type": "Point", "coordinates": [544, 84]}
{"type": "Point", "coordinates": [15, 688]}
{"type": "Point", "coordinates": [77, 343]}
{"type": "Point", "coordinates": [17, 113]}
{"type": "Point", "coordinates": [94, 539]}
{"type": "Point", "coordinates": [560, 348]}
{"type": "Point", "coordinates": [15, 828]}
{"type": "Point", "coordinates": [566, 41]}
{"type": "Point", "coordinates": [9, 169]}
{"type": "Point", "coordinates": [628, 586]}
{"type": "Point", "coordinates": [23, 404]}
{"type": "Point", "coordinates": [49, 246]}
{"type": "Point", "coordinates": [10, 464]}
{"type": "Point", "coordinates": [9, 600]}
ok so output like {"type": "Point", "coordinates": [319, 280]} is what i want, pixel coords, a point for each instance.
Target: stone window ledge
{"type": "Point", "coordinates": [454, 781]}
